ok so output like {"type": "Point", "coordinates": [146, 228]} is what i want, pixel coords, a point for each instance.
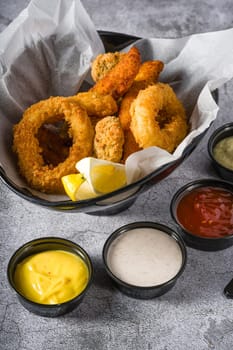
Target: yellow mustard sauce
{"type": "Point", "coordinates": [51, 277]}
{"type": "Point", "coordinates": [223, 152]}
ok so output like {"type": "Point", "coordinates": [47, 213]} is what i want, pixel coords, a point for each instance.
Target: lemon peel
{"type": "Point", "coordinates": [71, 184]}
{"type": "Point", "coordinates": [95, 178]}
{"type": "Point", "coordinates": [102, 175]}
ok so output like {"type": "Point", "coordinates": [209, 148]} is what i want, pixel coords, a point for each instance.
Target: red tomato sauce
{"type": "Point", "coordinates": [207, 212]}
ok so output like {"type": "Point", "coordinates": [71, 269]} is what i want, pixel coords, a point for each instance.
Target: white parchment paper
{"type": "Point", "coordinates": [195, 66]}
{"type": "Point", "coordinates": [47, 51]}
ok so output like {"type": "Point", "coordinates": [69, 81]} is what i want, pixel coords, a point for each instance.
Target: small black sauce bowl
{"type": "Point", "coordinates": [40, 245]}
{"type": "Point", "coordinates": [139, 292]}
{"type": "Point", "coordinates": [192, 240]}
{"type": "Point", "coordinates": [224, 131]}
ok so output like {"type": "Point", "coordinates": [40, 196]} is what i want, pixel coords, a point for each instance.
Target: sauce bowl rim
{"type": "Point", "coordinates": [212, 143]}
{"type": "Point", "coordinates": [205, 182]}
{"type": "Point", "coordinates": [145, 224]}
{"type": "Point", "coordinates": [44, 240]}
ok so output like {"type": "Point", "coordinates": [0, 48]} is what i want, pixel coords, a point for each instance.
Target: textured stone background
{"type": "Point", "coordinates": [194, 314]}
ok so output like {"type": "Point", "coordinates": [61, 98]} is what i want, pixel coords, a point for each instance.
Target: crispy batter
{"type": "Point", "coordinates": [119, 79]}
{"type": "Point", "coordinates": [148, 74]}
{"type": "Point", "coordinates": [103, 63]}
{"type": "Point", "coordinates": [109, 139]}
{"type": "Point", "coordinates": [40, 176]}
{"type": "Point", "coordinates": [56, 133]}
{"type": "Point", "coordinates": [149, 71]}
{"type": "Point", "coordinates": [158, 118]}
{"type": "Point", "coordinates": [130, 145]}
{"type": "Point", "coordinates": [95, 104]}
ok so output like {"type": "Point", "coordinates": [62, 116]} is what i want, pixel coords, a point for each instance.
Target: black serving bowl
{"type": "Point", "coordinates": [40, 245]}
{"type": "Point", "coordinates": [109, 204]}
{"type": "Point", "coordinates": [138, 291]}
{"type": "Point", "coordinates": [193, 240]}
{"type": "Point", "coordinates": [221, 133]}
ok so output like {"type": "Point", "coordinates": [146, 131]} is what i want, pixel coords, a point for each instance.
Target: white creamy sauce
{"type": "Point", "coordinates": [144, 257]}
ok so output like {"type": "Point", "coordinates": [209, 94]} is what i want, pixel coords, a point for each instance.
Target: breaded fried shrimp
{"type": "Point", "coordinates": [119, 79]}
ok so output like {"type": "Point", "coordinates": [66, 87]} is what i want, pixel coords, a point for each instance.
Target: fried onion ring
{"type": "Point", "coordinates": [158, 118]}
{"type": "Point", "coordinates": [119, 79]}
{"type": "Point", "coordinates": [43, 177]}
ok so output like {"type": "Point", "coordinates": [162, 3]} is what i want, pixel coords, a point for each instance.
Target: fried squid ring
{"type": "Point", "coordinates": [119, 79]}
{"type": "Point", "coordinates": [158, 118]}
{"type": "Point", "coordinates": [40, 176]}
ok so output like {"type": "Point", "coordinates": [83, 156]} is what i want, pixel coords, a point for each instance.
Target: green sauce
{"type": "Point", "coordinates": [223, 152]}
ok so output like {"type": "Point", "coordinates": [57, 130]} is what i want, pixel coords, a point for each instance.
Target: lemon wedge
{"type": "Point", "coordinates": [85, 191]}
{"type": "Point", "coordinates": [103, 176]}
{"type": "Point", "coordinates": [72, 183]}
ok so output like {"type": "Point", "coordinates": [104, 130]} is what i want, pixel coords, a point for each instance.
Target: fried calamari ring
{"type": "Point", "coordinates": [109, 139]}
{"type": "Point", "coordinates": [158, 118]}
{"type": "Point", "coordinates": [42, 177]}
{"type": "Point", "coordinates": [148, 74]}
{"type": "Point", "coordinates": [103, 63]}
{"type": "Point", "coordinates": [95, 104]}
{"type": "Point", "coordinates": [119, 79]}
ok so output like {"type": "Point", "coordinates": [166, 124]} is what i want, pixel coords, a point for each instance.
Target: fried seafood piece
{"type": "Point", "coordinates": [109, 139]}
{"type": "Point", "coordinates": [148, 74]}
{"type": "Point", "coordinates": [119, 79]}
{"type": "Point", "coordinates": [158, 118]}
{"type": "Point", "coordinates": [103, 63]}
{"type": "Point", "coordinates": [46, 177]}
{"type": "Point", "coordinates": [95, 104]}
{"type": "Point", "coordinates": [130, 145]}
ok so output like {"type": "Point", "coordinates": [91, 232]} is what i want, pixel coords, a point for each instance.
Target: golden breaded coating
{"type": "Point", "coordinates": [95, 104]}
{"type": "Point", "coordinates": [130, 145]}
{"type": "Point", "coordinates": [158, 118]}
{"type": "Point", "coordinates": [149, 71]}
{"type": "Point", "coordinates": [41, 176]}
{"type": "Point", "coordinates": [119, 79]}
{"type": "Point", "coordinates": [148, 74]}
{"type": "Point", "coordinates": [109, 139]}
{"type": "Point", "coordinates": [103, 63]}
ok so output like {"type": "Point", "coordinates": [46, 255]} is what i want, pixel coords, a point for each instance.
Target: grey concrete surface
{"type": "Point", "coordinates": [194, 314]}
